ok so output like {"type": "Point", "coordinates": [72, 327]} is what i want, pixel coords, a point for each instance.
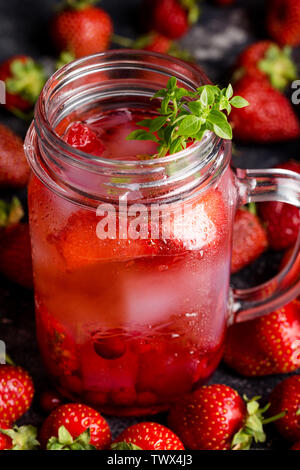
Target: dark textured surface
{"type": "Point", "coordinates": [215, 41]}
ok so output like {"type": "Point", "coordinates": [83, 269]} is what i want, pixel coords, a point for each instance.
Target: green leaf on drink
{"type": "Point", "coordinates": [186, 116]}
{"type": "Point", "coordinates": [189, 125]}
{"type": "Point", "coordinates": [140, 134]}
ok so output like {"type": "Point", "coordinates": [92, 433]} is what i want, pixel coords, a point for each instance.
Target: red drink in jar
{"type": "Point", "coordinates": [126, 323]}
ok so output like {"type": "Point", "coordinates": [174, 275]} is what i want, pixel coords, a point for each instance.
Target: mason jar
{"type": "Point", "coordinates": [132, 254]}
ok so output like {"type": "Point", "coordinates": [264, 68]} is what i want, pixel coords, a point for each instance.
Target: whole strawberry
{"type": "Point", "coordinates": [154, 42]}
{"type": "Point", "coordinates": [81, 28]}
{"type": "Point", "coordinates": [15, 247]}
{"type": "Point", "coordinates": [75, 427]}
{"type": "Point", "coordinates": [14, 169]}
{"type": "Point", "coordinates": [283, 21]}
{"type": "Point", "coordinates": [16, 392]}
{"type": "Point", "coordinates": [215, 417]}
{"type": "Point", "coordinates": [147, 436]}
{"type": "Point", "coordinates": [282, 220]}
{"type": "Point", "coordinates": [249, 239]}
{"type": "Point", "coordinates": [24, 80]}
{"type": "Point", "coordinates": [17, 438]}
{"type": "Point", "coordinates": [266, 59]}
{"type": "Point", "coordinates": [286, 398]}
{"type": "Point", "coordinates": [266, 345]}
{"type": "Point", "coordinates": [269, 117]}
{"type": "Point", "coordinates": [171, 18]}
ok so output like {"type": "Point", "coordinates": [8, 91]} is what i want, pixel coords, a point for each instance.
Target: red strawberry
{"type": "Point", "coordinates": [282, 220]}
{"type": "Point", "coordinates": [269, 117]}
{"type": "Point", "coordinates": [171, 18]}
{"type": "Point", "coordinates": [16, 392]}
{"type": "Point", "coordinates": [15, 249]}
{"type": "Point", "coordinates": [158, 43]}
{"type": "Point", "coordinates": [215, 417]}
{"type": "Point", "coordinates": [81, 28]}
{"type": "Point", "coordinates": [249, 239]}
{"type": "Point", "coordinates": [286, 398]}
{"type": "Point", "coordinates": [73, 425]}
{"type": "Point", "coordinates": [154, 42]}
{"type": "Point", "coordinates": [17, 438]}
{"type": "Point", "coordinates": [296, 446]}
{"type": "Point", "coordinates": [80, 246]}
{"type": "Point", "coordinates": [267, 60]}
{"type": "Point", "coordinates": [81, 137]}
{"type": "Point", "coordinates": [283, 21]}
{"type": "Point", "coordinates": [147, 436]}
{"type": "Point", "coordinates": [24, 80]}
{"type": "Point", "coordinates": [266, 345]}
{"type": "Point", "coordinates": [14, 169]}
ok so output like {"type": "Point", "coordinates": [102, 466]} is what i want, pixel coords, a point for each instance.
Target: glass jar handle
{"type": "Point", "coordinates": [268, 185]}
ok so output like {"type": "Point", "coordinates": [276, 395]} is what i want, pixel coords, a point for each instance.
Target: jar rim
{"type": "Point", "coordinates": [86, 159]}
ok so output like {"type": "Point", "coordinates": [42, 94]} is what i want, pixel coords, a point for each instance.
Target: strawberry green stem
{"type": "Point", "coordinates": [65, 441]}
{"type": "Point", "coordinates": [23, 437]}
{"type": "Point", "coordinates": [27, 80]}
{"type": "Point", "coordinates": [124, 446]}
{"type": "Point", "coordinates": [10, 212]}
{"type": "Point", "coordinates": [279, 66]}
{"type": "Point", "coordinates": [122, 41]}
{"type": "Point", "coordinates": [252, 429]}
{"type": "Point", "coordinates": [252, 208]}
{"type": "Point", "coordinates": [80, 4]}
{"type": "Point", "coordinates": [193, 10]}
{"type": "Point", "coordinates": [8, 360]}
{"type": "Point", "coordinates": [65, 58]}
{"type": "Point", "coordinates": [274, 418]}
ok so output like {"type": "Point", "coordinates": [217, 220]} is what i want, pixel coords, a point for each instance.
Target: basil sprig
{"type": "Point", "coordinates": [185, 116]}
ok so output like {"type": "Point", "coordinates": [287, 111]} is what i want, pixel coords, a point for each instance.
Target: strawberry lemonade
{"type": "Point", "coordinates": [128, 321]}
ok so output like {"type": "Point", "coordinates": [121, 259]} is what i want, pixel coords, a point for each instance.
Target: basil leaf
{"type": "Point", "coordinates": [229, 91]}
{"type": "Point", "coordinates": [189, 126]}
{"type": "Point", "coordinates": [195, 107]}
{"type": "Point", "coordinates": [140, 134]}
{"type": "Point", "coordinates": [224, 130]}
{"type": "Point", "coordinates": [239, 102]}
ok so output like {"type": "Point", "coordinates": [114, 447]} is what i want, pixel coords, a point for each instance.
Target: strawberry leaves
{"type": "Point", "coordinates": [125, 446]}
{"type": "Point", "coordinates": [253, 428]}
{"type": "Point", "coordinates": [23, 437]}
{"type": "Point", "coordinates": [186, 116]}
{"type": "Point", "coordinates": [65, 441]}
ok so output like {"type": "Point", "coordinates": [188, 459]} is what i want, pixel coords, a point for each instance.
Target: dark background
{"type": "Point", "coordinates": [215, 41]}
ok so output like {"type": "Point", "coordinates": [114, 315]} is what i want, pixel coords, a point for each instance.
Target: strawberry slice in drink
{"type": "Point", "coordinates": [80, 136]}
{"type": "Point", "coordinates": [80, 246]}
{"type": "Point", "coordinates": [198, 226]}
